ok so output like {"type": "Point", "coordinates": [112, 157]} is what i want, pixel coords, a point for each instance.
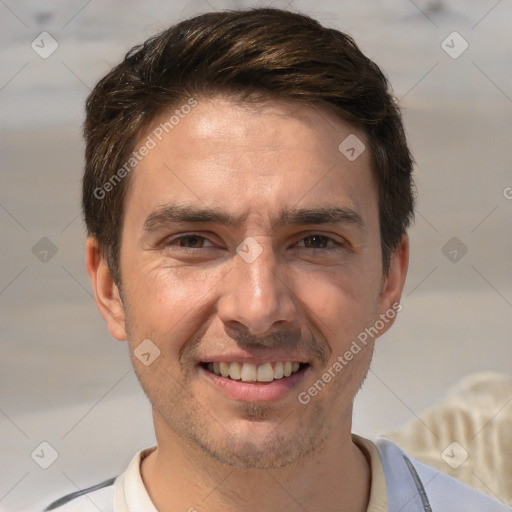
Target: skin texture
{"type": "Point", "coordinates": [306, 297]}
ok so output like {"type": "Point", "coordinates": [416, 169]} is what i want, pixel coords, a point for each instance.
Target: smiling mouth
{"type": "Point", "coordinates": [249, 372]}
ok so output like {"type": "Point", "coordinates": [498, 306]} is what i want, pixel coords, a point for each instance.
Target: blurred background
{"type": "Point", "coordinates": [65, 382]}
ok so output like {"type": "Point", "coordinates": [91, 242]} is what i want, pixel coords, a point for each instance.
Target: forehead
{"type": "Point", "coordinates": [268, 157]}
{"type": "Point", "coordinates": [273, 125]}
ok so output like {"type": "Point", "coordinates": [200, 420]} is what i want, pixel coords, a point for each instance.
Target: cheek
{"type": "Point", "coordinates": [166, 303]}
{"type": "Point", "coordinates": [340, 303]}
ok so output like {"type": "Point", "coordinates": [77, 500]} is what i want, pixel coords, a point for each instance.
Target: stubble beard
{"type": "Point", "coordinates": [287, 442]}
{"type": "Point", "coordinates": [280, 447]}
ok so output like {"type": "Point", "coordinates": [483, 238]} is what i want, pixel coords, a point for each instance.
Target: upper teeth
{"type": "Point", "coordinates": [249, 372]}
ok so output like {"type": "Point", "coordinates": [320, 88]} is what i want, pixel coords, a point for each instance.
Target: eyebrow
{"type": "Point", "coordinates": [320, 215]}
{"type": "Point", "coordinates": [176, 212]}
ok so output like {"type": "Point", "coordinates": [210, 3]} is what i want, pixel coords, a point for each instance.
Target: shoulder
{"type": "Point", "coordinates": [409, 481]}
{"type": "Point", "coordinates": [109, 494]}
{"type": "Point", "coordinates": [100, 495]}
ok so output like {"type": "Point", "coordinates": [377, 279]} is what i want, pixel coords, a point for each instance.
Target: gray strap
{"type": "Point", "coordinates": [419, 485]}
{"type": "Point", "coordinates": [405, 491]}
{"type": "Point", "coordinates": [77, 494]}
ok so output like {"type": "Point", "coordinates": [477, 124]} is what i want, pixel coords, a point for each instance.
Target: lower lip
{"type": "Point", "coordinates": [255, 391]}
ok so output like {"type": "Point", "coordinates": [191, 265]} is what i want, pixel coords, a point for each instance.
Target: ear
{"type": "Point", "coordinates": [392, 285]}
{"type": "Point", "coordinates": [106, 293]}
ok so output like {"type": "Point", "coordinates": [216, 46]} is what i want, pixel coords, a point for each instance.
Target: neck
{"type": "Point", "coordinates": [180, 476]}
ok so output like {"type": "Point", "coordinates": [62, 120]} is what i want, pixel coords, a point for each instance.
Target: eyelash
{"type": "Point", "coordinates": [335, 244]}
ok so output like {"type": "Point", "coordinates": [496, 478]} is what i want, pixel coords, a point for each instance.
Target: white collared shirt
{"type": "Point", "coordinates": [130, 494]}
{"type": "Point", "coordinates": [395, 478]}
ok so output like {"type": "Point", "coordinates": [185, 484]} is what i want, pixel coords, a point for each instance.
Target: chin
{"type": "Point", "coordinates": [247, 455]}
{"type": "Point", "coordinates": [264, 444]}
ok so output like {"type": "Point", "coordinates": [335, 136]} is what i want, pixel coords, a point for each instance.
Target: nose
{"type": "Point", "coordinates": [257, 295]}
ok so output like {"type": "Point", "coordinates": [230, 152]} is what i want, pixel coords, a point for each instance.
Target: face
{"type": "Point", "coordinates": [250, 258]}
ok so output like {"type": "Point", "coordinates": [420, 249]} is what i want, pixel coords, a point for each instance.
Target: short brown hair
{"type": "Point", "coordinates": [253, 54]}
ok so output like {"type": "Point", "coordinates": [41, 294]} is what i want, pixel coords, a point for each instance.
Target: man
{"type": "Point", "coordinates": [247, 193]}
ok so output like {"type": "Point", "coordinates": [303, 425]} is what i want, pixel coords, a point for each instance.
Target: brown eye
{"type": "Point", "coordinates": [316, 241]}
{"type": "Point", "coordinates": [191, 241]}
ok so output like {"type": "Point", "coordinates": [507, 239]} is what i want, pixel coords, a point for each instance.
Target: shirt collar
{"type": "Point", "coordinates": [130, 494]}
